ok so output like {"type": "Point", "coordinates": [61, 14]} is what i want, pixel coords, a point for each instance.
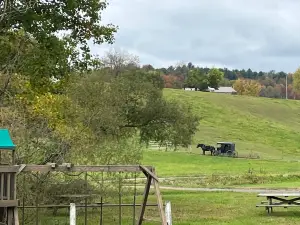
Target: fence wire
{"type": "Point", "coordinates": [100, 198]}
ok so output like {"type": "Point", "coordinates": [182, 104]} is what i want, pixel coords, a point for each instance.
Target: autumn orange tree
{"type": "Point", "coordinates": [296, 81]}
{"type": "Point", "coordinates": [247, 87]}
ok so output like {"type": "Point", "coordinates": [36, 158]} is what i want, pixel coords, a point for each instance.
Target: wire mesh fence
{"type": "Point", "coordinates": [108, 198]}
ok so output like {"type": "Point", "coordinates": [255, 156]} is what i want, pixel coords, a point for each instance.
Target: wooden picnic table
{"type": "Point", "coordinates": [279, 199]}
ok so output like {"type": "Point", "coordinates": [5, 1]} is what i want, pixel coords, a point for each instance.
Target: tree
{"type": "Point", "coordinates": [296, 81]}
{"type": "Point", "coordinates": [214, 77]}
{"type": "Point", "coordinates": [131, 105]}
{"type": "Point", "coordinates": [21, 54]}
{"type": "Point", "coordinates": [148, 67]}
{"type": "Point", "coordinates": [190, 66]}
{"type": "Point", "coordinates": [197, 79]}
{"type": "Point", "coordinates": [118, 61]}
{"type": "Point", "coordinates": [172, 81]}
{"type": "Point", "coordinates": [247, 87]}
{"type": "Point", "coordinates": [44, 19]}
{"type": "Point", "coordinates": [32, 46]}
{"type": "Point", "coordinates": [226, 82]}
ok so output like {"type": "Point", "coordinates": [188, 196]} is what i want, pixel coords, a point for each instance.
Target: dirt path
{"type": "Point", "coordinates": [203, 189]}
{"type": "Point", "coordinates": [244, 190]}
{"type": "Point", "coordinates": [241, 189]}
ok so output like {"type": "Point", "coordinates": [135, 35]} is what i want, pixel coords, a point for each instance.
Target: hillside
{"type": "Point", "coordinates": [268, 127]}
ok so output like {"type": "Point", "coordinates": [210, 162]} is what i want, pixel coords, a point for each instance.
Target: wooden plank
{"type": "Point", "coordinates": [9, 169]}
{"type": "Point", "coordinates": [95, 205]}
{"type": "Point", "coordinates": [159, 202]}
{"type": "Point", "coordinates": [291, 194]}
{"type": "Point", "coordinates": [2, 186]}
{"type": "Point", "coordinates": [13, 157]}
{"type": "Point", "coordinates": [10, 216]}
{"type": "Point", "coordinates": [61, 168]}
{"type": "Point", "coordinates": [21, 168]}
{"type": "Point", "coordinates": [15, 186]}
{"type": "Point", "coordinates": [65, 168]}
{"type": "Point", "coordinates": [8, 191]}
{"type": "Point", "coordinates": [16, 216]}
{"type": "Point", "coordinates": [146, 170]}
{"type": "Point", "coordinates": [145, 198]}
{"type": "Point", "coordinates": [8, 203]}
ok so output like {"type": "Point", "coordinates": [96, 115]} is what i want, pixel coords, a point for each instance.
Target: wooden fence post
{"type": "Point", "coordinates": [72, 214]}
{"type": "Point", "coordinates": [168, 213]}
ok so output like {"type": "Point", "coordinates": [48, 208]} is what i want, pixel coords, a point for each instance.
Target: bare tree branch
{"type": "Point", "coordinates": [118, 60]}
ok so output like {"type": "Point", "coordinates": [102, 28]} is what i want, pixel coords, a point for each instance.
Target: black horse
{"type": "Point", "coordinates": [205, 148]}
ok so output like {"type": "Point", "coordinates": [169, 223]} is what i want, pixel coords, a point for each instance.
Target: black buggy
{"type": "Point", "coordinates": [225, 149]}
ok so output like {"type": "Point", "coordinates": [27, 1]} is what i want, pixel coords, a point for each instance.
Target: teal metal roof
{"type": "Point", "coordinates": [5, 140]}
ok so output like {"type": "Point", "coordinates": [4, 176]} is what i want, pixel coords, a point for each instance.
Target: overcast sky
{"type": "Point", "coordinates": [257, 34]}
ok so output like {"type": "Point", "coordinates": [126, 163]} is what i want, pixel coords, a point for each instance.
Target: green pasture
{"type": "Point", "coordinates": [263, 126]}
{"type": "Point", "coordinates": [259, 126]}
{"type": "Point", "coordinates": [193, 208]}
{"type": "Point", "coordinates": [190, 164]}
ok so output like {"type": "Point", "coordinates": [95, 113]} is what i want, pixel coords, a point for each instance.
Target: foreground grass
{"type": "Point", "coordinates": [185, 164]}
{"type": "Point", "coordinates": [267, 127]}
{"type": "Point", "coordinates": [224, 208]}
{"type": "Point", "coordinates": [193, 208]}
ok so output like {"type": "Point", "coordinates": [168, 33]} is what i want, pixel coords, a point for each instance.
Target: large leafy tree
{"type": "Point", "coordinates": [44, 39]}
{"type": "Point", "coordinates": [42, 19]}
{"type": "Point", "coordinates": [132, 105]}
{"type": "Point", "coordinates": [197, 79]}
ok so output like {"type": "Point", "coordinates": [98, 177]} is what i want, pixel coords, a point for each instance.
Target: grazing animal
{"type": "Point", "coordinates": [206, 148]}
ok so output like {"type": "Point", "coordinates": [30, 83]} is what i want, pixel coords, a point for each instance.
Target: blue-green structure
{"type": "Point", "coordinates": [8, 198]}
{"type": "Point", "coordinates": [6, 143]}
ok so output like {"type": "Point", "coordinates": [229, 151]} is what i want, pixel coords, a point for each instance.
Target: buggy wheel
{"type": "Point", "coordinates": [229, 153]}
{"type": "Point", "coordinates": [215, 152]}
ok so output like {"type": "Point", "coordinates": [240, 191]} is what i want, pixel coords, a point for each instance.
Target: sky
{"type": "Point", "coordinates": [240, 34]}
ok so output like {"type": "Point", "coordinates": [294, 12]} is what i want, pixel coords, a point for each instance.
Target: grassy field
{"type": "Point", "coordinates": [212, 171]}
{"type": "Point", "coordinates": [267, 127]}
{"type": "Point", "coordinates": [186, 164]}
{"type": "Point", "coordinates": [224, 208]}
{"type": "Point", "coordinates": [193, 208]}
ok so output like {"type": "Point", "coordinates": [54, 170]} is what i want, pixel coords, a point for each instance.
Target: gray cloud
{"type": "Point", "coordinates": [256, 34]}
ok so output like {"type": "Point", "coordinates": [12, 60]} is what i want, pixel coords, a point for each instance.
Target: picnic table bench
{"type": "Point", "coordinates": [279, 200]}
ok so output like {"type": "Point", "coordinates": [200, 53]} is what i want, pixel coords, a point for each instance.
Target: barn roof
{"type": "Point", "coordinates": [225, 90]}
{"type": "Point", "coordinates": [5, 140]}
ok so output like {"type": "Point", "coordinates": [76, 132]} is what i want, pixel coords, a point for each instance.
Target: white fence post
{"type": "Point", "coordinates": [72, 214]}
{"type": "Point", "coordinates": [168, 213]}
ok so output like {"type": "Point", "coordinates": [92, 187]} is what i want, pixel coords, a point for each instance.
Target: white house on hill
{"type": "Point", "coordinates": [224, 90]}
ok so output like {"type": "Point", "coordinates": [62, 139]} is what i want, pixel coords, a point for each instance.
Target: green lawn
{"type": "Point", "coordinates": [193, 208]}
{"type": "Point", "coordinates": [225, 208]}
{"type": "Point", "coordinates": [185, 164]}
{"type": "Point", "coordinates": [268, 127]}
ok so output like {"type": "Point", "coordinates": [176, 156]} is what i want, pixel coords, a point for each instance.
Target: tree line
{"type": "Point", "coordinates": [264, 84]}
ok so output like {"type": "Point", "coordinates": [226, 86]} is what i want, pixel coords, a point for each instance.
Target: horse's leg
{"type": "Point", "coordinates": [203, 152]}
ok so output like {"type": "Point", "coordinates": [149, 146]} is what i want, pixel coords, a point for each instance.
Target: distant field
{"type": "Point", "coordinates": [185, 164]}
{"type": "Point", "coordinates": [267, 127]}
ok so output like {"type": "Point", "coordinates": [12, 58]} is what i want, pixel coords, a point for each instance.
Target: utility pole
{"type": "Point", "coordinates": [286, 92]}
